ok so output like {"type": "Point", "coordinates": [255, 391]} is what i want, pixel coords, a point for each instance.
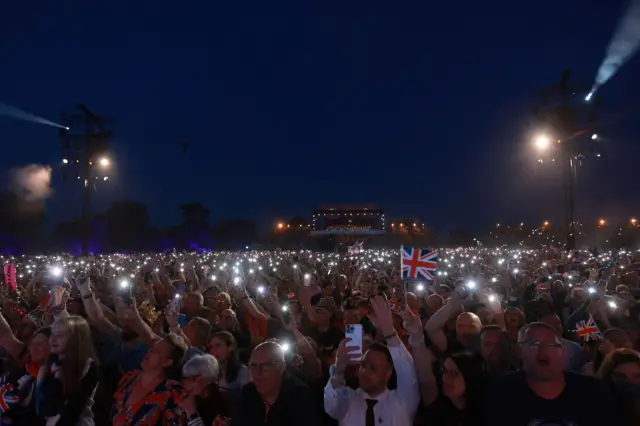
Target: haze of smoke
{"type": "Point", "coordinates": [32, 182]}
{"type": "Point", "coordinates": [625, 42]}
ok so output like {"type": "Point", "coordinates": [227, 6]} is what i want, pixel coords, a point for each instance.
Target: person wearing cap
{"type": "Point", "coordinates": [324, 333]}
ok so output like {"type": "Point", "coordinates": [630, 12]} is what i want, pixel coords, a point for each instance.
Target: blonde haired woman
{"type": "Point", "coordinates": [66, 383]}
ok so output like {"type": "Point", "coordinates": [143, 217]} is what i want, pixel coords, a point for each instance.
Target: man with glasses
{"type": "Point", "coordinates": [542, 393]}
{"type": "Point", "coordinates": [274, 397]}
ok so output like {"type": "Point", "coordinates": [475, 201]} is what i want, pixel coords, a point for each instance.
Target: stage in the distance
{"type": "Point", "coordinates": [348, 220]}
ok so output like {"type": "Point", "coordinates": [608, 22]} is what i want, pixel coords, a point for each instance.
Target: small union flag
{"type": "Point", "coordinates": [356, 248]}
{"type": "Point", "coordinates": [418, 262]}
{"type": "Point", "coordinates": [7, 397]}
{"type": "Point", "coordinates": [588, 330]}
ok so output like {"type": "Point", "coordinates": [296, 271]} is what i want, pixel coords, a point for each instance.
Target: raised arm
{"type": "Point", "coordinates": [423, 358]}
{"type": "Point", "coordinates": [337, 396]}
{"type": "Point", "coordinates": [128, 313]}
{"type": "Point", "coordinates": [407, 379]}
{"type": "Point", "coordinates": [8, 340]}
{"type": "Point", "coordinates": [94, 310]}
{"type": "Point", "coordinates": [436, 323]}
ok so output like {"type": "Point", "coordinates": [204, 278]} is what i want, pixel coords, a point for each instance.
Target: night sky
{"type": "Point", "coordinates": [424, 110]}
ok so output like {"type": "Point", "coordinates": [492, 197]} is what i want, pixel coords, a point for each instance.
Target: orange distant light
{"type": "Point", "coordinates": [602, 222]}
{"type": "Point", "coordinates": [634, 220]}
{"type": "Point", "coordinates": [280, 225]}
{"type": "Point", "coordinates": [546, 223]}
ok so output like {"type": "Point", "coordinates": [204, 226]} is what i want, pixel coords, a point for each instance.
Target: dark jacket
{"type": "Point", "coordinates": [295, 406]}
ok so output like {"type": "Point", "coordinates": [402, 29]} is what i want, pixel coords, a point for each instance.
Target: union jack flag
{"type": "Point", "coordinates": [7, 398]}
{"type": "Point", "coordinates": [588, 330]}
{"type": "Point", "coordinates": [418, 262]}
{"type": "Point", "coordinates": [356, 248]}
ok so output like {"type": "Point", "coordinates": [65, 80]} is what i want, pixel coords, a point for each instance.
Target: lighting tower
{"type": "Point", "coordinates": [568, 136]}
{"type": "Point", "coordinates": [85, 157]}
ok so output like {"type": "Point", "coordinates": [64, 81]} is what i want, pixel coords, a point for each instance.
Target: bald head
{"type": "Point", "coordinates": [267, 367]}
{"type": "Point", "coordinates": [468, 318]}
{"type": "Point", "coordinates": [413, 302]}
{"type": "Point", "coordinates": [467, 325]}
{"type": "Point", "coordinates": [268, 350]}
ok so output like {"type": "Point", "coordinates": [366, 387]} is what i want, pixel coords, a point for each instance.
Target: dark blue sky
{"type": "Point", "coordinates": [423, 110]}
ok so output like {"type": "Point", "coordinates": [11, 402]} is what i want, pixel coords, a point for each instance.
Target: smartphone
{"type": "Point", "coordinates": [174, 305]}
{"type": "Point", "coordinates": [354, 332]}
{"type": "Point", "coordinates": [125, 291]}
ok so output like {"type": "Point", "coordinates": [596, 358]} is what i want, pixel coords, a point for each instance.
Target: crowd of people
{"type": "Point", "coordinates": [499, 337]}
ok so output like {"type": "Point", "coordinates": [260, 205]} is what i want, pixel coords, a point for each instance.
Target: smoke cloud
{"type": "Point", "coordinates": [625, 42]}
{"type": "Point", "coordinates": [32, 182]}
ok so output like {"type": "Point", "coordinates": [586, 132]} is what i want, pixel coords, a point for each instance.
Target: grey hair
{"type": "Point", "coordinates": [522, 333]}
{"type": "Point", "coordinates": [205, 366]}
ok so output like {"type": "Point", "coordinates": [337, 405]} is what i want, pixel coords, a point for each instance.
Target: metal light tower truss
{"type": "Point", "coordinates": [569, 122]}
{"type": "Point", "coordinates": [85, 157]}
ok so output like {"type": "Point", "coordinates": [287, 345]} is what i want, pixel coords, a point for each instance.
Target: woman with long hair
{"type": "Point", "coordinates": [233, 374]}
{"type": "Point", "coordinates": [66, 383]}
{"type": "Point", "coordinates": [620, 370]}
{"type": "Point", "coordinates": [459, 400]}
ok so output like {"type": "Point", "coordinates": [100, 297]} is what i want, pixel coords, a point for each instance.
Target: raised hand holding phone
{"type": "Point", "coordinates": [345, 357]}
{"type": "Point", "coordinates": [353, 336]}
{"type": "Point", "coordinates": [174, 305]}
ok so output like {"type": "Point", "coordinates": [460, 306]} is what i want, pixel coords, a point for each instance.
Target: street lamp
{"type": "Point", "coordinates": [546, 223]}
{"type": "Point", "coordinates": [602, 222]}
{"type": "Point", "coordinates": [633, 221]}
{"type": "Point", "coordinates": [104, 162]}
{"type": "Point", "coordinates": [280, 225]}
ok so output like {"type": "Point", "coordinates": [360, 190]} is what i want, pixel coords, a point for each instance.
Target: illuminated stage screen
{"type": "Point", "coordinates": [348, 221]}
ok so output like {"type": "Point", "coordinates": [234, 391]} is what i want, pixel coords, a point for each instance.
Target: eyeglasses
{"type": "Point", "coordinates": [263, 366]}
{"type": "Point", "coordinates": [536, 345]}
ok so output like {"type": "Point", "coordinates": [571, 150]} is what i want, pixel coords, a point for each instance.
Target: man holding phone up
{"type": "Point", "coordinates": [373, 403]}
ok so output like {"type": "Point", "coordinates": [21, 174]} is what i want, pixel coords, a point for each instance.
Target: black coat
{"type": "Point", "coordinates": [295, 406]}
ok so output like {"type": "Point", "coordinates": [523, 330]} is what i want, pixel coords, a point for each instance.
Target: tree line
{"type": "Point", "coordinates": [124, 226]}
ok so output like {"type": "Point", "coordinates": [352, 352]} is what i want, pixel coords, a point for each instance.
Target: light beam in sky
{"type": "Point", "coordinates": [13, 112]}
{"type": "Point", "coordinates": [624, 43]}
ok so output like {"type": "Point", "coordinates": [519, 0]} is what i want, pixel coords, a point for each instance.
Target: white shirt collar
{"type": "Point", "coordinates": [380, 398]}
